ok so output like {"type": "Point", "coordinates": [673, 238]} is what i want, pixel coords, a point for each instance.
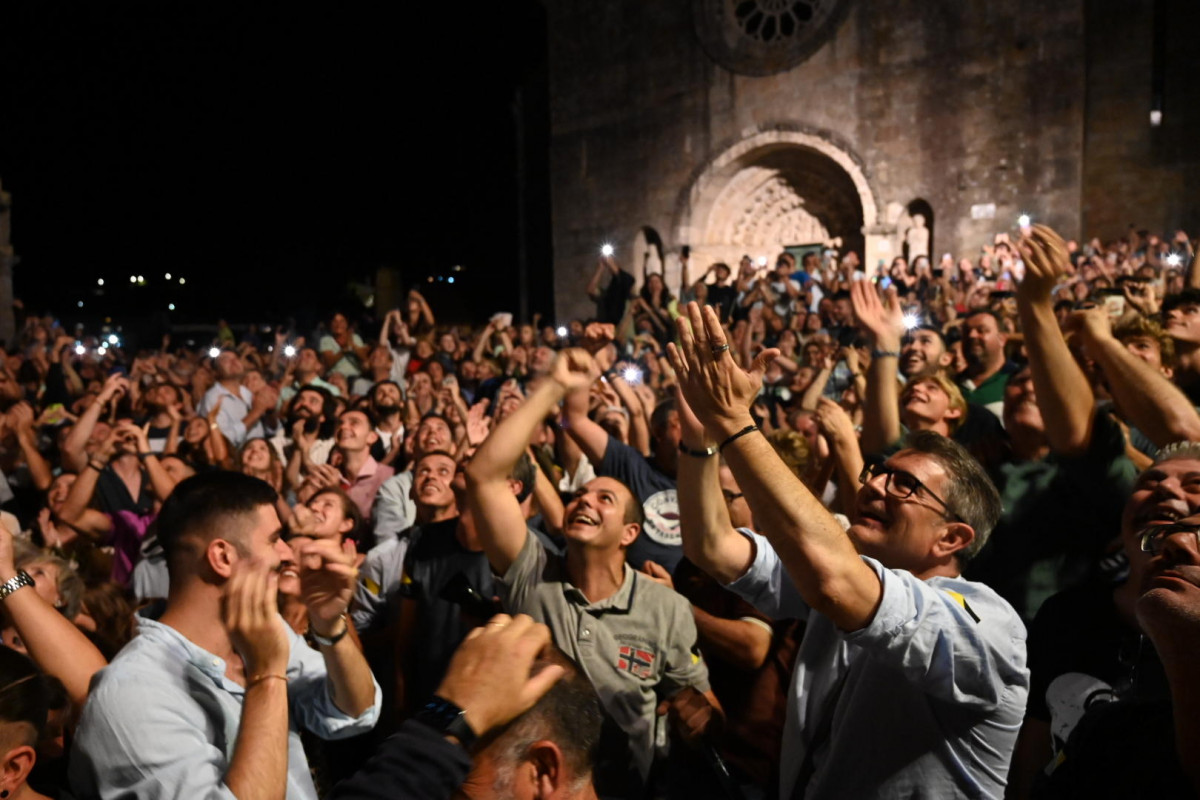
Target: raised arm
{"type": "Point", "coordinates": [1143, 395]}
{"type": "Point", "coordinates": [709, 540]}
{"type": "Point", "coordinates": [591, 438]}
{"type": "Point", "coordinates": [1063, 392]}
{"type": "Point", "coordinates": [73, 451]}
{"type": "Point", "coordinates": [20, 419]}
{"type": "Point", "coordinates": [884, 324]}
{"type": "Point", "coordinates": [54, 643]}
{"type": "Point", "coordinates": [489, 495]}
{"type": "Point", "coordinates": [813, 548]}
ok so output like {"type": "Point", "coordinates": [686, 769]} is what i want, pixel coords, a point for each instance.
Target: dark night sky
{"type": "Point", "coordinates": [268, 155]}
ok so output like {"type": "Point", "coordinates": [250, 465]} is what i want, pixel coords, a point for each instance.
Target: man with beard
{"type": "Point", "coordinates": [387, 406]}
{"type": "Point", "coordinates": [305, 370]}
{"type": "Point", "coordinates": [1086, 645]}
{"type": "Point", "coordinates": [923, 351]}
{"type": "Point", "coordinates": [988, 368]}
{"type": "Point", "coordinates": [395, 509]}
{"type": "Point", "coordinates": [209, 699]}
{"type": "Point", "coordinates": [306, 437]}
{"type": "Point", "coordinates": [240, 413]}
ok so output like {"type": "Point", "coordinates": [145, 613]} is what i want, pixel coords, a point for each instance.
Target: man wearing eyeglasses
{"type": "Point", "coordinates": [910, 681]}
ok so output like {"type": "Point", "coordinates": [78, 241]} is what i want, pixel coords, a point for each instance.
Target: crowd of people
{"type": "Point", "coordinates": [802, 529]}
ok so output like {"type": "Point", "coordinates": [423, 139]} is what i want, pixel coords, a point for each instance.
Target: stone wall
{"type": "Point", "coordinates": [957, 104]}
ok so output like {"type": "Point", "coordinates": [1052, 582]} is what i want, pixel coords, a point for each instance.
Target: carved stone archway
{"type": "Point", "coordinates": [777, 188]}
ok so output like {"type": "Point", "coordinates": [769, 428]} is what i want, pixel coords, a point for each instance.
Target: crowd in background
{"type": "Point", "coordinates": [977, 478]}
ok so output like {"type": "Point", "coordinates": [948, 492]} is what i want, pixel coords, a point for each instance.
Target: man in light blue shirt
{"type": "Point", "coordinates": [208, 700]}
{"type": "Point", "coordinates": [241, 413]}
{"type": "Point", "coordinates": [909, 681]}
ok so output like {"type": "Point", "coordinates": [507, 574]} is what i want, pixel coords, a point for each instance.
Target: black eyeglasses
{"type": "Point", "coordinates": [903, 485]}
{"type": "Point", "coordinates": [1154, 538]}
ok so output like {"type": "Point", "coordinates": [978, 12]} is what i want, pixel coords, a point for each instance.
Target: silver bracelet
{"type": "Point", "coordinates": [15, 582]}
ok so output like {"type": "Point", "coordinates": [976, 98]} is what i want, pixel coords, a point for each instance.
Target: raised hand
{"type": "Point", "coordinates": [835, 424]}
{"type": "Point", "coordinates": [883, 320]}
{"type": "Point", "coordinates": [717, 389]}
{"type": "Point", "coordinates": [327, 578]}
{"type": "Point", "coordinates": [1093, 324]}
{"type": "Point", "coordinates": [250, 614]}
{"type": "Point", "coordinates": [478, 423]}
{"type": "Point", "coordinates": [489, 676]}
{"type": "Point", "coordinates": [1046, 262]}
{"type": "Point", "coordinates": [574, 369]}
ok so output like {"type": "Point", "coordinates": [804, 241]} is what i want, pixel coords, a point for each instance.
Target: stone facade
{"type": "Point", "coordinates": [903, 107]}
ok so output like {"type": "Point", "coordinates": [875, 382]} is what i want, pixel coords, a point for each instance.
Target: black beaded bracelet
{"type": "Point", "coordinates": [885, 354]}
{"type": "Point", "coordinates": [738, 435]}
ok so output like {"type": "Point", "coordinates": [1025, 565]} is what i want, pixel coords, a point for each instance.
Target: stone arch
{"type": "Point", "coordinates": [776, 188]}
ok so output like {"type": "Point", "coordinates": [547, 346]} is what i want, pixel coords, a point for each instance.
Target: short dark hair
{"type": "Point", "coordinates": [25, 695]}
{"type": "Point", "coordinates": [205, 504]}
{"type": "Point", "coordinates": [977, 311]}
{"type": "Point", "coordinates": [350, 509]}
{"type": "Point", "coordinates": [634, 512]}
{"type": "Point", "coordinates": [570, 715]}
{"type": "Point", "coordinates": [1189, 296]}
{"type": "Point", "coordinates": [971, 494]}
{"type": "Point", "coordinates": [366, 412]}
{"type": "Point", "coordinates": [934, 329]}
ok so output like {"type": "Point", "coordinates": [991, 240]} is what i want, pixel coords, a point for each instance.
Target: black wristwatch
{"type": "Point", "coordinates": [448, 720]}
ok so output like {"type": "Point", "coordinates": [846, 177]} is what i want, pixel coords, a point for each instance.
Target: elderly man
{"type": "Point", "coordinates": [209, 699]}
{"type": "Point", "coordinates": [901, 659]}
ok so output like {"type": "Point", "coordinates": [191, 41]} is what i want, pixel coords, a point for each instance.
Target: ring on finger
{"type": "Point", "coordinates": [716, 351]}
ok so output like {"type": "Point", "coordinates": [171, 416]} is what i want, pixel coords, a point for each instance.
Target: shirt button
{"type": "Point", "coordinates": [586, 632]}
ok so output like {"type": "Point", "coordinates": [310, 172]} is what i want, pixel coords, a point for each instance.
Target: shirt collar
{"type": "Point", "coordinates": [198, 657]}
{"type": "Point", "coordinates": [619, 603]}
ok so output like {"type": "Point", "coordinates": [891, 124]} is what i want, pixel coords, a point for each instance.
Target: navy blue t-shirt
{"type": "Point", "coordinates": [659, 540]}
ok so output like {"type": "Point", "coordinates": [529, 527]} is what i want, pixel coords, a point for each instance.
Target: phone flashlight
{"type": "Point", "coordinates": [289, 351]}
{"type": "Point", "coordinates": [1024, 221]}
{"type": "Point", "coordinates": [80, 349]}
{"type": "Point", "coordinates": [911, 321]}
{"type": "Point", "coordinates": [562, 331]}
{"type": "Point", "coordinates": [606, 250]}
{"type": "Point", "coordinates": [1174, 260]}
{"type": "Point", "coordinates": [762, 261]}
{"type": "Point", "coordinates": [213, 352]}
{"type": "Point", "coordinates": [632, 375]}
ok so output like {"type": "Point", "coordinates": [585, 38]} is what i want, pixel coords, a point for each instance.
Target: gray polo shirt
{"type": "Point", "coordinates": [636, 647]}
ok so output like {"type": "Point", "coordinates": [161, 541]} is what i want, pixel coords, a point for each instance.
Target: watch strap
{"type": "Point", "coordinates": [447, 719]}
{"type": "Point", "coordinates": [15, 582]}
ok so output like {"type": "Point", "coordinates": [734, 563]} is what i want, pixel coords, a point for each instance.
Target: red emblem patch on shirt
{"type": "Point", "coordinates": [635, 661]}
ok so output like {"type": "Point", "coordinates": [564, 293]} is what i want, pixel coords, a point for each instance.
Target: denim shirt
{"type": "Point", "coordinates": [162, 720]}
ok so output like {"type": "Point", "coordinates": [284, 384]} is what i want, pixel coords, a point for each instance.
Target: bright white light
{"type": "Point", "coordinates": [289, 351]}
{"type": "Point", "coordinates": [113, 339]}
{"type": "Point", "coordinates": [182, 281]}
{"type": "Point", "coordinates": [606, 250]}
{"type": "Point", "coordinates": [167, 276]}
{"type": "Point", "coordinates": [762, 261]}
{"type": "Point", "coordinates": [450, 279]}
{"type": "Point", "coordinates": [133, 278]}
{"type": "Point", "coordinates": [1155, 118]}
{"type": "Point", "coordinates": [213, 352]}
{"type": "Point", "coordinates": [101, 350]}
{"type": "Point", "coordinates": [911, 320]}
{"type": "Point", "coordinates": [80, 349]}
{"type": "Point", "coordinates": [632, 375]}
{"type": "Point", "coordinates": [100, 282]}
{"type": "Point", "coordinates": [141, 279]}
{"type": "Point", "coordinates": [562, 331]}
{"type": "Point", "coordinates": [170, 306]}
{"type": "Point", "coordinates": [1174, 260]}
{"type": "Point", "coordinates": [1024, 221]}
{"type": "Point", "coordinates": [80, 304]}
